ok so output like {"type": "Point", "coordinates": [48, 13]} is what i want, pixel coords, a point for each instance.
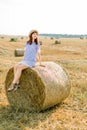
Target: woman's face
{"type": "Point", "coordinates": [34, 36]}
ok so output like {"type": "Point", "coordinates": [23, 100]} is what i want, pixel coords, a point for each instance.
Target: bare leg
{"type": "Point", "coordinates": [17, 73]}
{"type": "Point", "coordinates": [15, 69]}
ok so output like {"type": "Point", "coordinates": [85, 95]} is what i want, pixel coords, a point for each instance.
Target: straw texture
{"type": "Point", "coordinates": [41, 87]}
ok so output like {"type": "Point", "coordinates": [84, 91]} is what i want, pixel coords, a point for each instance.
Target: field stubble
{"type": "Point", "coordinates": [71, 54]}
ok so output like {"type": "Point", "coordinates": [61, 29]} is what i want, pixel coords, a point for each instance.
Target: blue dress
{"type": "Point", "coordinates": [30, 53]}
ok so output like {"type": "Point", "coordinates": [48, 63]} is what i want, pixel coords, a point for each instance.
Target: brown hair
{"type": "Point", "coordinates": [30, 37]}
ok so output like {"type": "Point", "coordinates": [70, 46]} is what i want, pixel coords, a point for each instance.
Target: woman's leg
{"type": "Point", "coordinates": [15, 69]}
{"type": "Point", "coordinates": [17, 73]}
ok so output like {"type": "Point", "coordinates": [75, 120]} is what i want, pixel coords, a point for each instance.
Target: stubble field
{"type": "Point", "coordinates": [71, 114]}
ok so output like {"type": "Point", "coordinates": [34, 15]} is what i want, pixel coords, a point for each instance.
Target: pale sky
{"type": "Point", "coordinates": [18, 17]}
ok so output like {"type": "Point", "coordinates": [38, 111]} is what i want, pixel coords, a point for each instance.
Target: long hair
{"type": "Point", "coordinates": [30, 37]}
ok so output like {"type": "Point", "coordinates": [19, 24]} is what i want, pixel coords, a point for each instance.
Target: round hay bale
{"type": "Point", "coordinates": [51, 38]}
{"type": "Point", "coordinates": [13, 40]}
{"type": "Point", "coordinates": [18, 52]}
{"type": "Point", "coordinates": [57, 42]}
{"type": "Point", "coordinates": [41, 87]}
{"type": "Point", "coordinates": [82, 37]}
{"type": "Point", "coordinates": [40, 42]}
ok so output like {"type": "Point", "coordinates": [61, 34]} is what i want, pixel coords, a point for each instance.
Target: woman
{"type": "Point", "coordinates": [32, 49]}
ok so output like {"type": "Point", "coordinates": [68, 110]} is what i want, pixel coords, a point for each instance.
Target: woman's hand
{"type": "Point", "coordinates": [42, 65]}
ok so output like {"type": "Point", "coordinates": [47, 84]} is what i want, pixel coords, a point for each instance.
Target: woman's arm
{"type": "Point", "coordinates": [39, 58]}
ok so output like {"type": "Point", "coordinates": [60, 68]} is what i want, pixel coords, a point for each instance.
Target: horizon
{"type": "Point", "coordinates": [43, 34]}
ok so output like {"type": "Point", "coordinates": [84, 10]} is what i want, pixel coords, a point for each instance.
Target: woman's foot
{"type": "Point", "coordinates": [17, 86]}
{"type": "Point", "coordinates": [12, 86]}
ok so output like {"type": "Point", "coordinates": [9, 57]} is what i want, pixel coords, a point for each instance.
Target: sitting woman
{"type": "Point", "coordinates": [32, 50]}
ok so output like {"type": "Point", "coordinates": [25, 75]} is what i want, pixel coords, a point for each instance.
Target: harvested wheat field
{"type": "Point", "coordinates": [71, 113]}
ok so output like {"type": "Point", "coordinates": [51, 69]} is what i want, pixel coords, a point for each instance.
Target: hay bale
{"type": "Point", "coordinates": [41, 87]}
{"type": "Point", "coordinates": [57, 42]}
{"type": "Point", "coordinates": [52, 38]}
{"type": "Point", "coordinates": [40, 42]}
{"type": "Point", "coordinates": [18, 52]}
{"type": "Point", "coordinates": [82, 37]}
{"type": "Point", "coordinates": [13, 40]}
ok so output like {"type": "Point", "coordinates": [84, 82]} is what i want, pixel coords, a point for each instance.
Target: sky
{"type": "Point", "coordinates": [19, 17]}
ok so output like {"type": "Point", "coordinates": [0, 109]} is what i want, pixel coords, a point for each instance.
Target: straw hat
{"type": "Point", "coordinates": [33, 31]}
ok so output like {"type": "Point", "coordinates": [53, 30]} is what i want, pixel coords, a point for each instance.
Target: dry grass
{"type": "Point", "coordinates": [72, 113]}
